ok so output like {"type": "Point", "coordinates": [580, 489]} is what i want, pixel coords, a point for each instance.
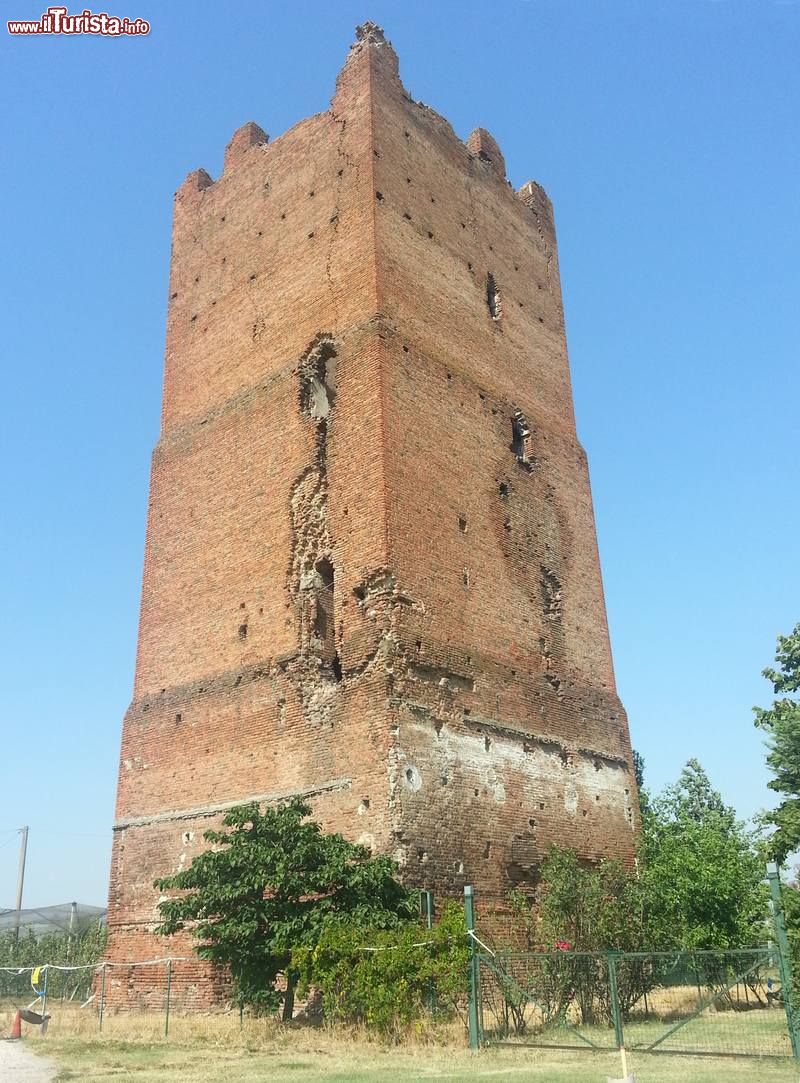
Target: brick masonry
{"type": "Point", "coordinates": [371, 570]}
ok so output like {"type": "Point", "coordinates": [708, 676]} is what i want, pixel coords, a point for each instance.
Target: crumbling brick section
{"type": "Point", "coordinates": [371, 574]}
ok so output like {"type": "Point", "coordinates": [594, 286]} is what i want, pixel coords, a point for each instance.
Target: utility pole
{"type": "Point", "coordinates": [23, 852]}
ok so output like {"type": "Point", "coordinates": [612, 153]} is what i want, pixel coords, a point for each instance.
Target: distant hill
{"type": "Point", "coordinates": [63, 918]}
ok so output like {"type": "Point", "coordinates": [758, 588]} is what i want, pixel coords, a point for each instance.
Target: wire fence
{"type": "Point", "coordinates": [727, 1003]}
{"type": "Point", "coordinates": [715, 1003]}
{"type": "Point", "coordinates": [178, 998]}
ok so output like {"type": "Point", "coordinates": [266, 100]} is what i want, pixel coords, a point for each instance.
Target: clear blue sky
{"type": "Point", "coordinates": [666, 133]}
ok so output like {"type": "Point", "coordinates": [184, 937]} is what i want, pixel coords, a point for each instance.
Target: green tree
{"type": "Point", "coordinates": [271, 883]}
{"type": "Point", "coordinates": [589, 907]}
{"type": "Point", "coordinates": [702, 869]}
{"type": "Point", "coordinates": [781, 723]}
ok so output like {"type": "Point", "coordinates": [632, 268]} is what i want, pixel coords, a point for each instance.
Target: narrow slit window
{"type": "Point", "coordinates": [493, 297]}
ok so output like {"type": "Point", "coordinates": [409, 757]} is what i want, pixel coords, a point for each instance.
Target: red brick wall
{"type": "Point", "coordinates": [339, 401]}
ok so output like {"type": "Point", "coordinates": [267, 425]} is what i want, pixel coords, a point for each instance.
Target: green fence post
{"type": "Point", "coordinates": [611, 960]}
{"type": "Point", "coordinates": [102, 996]}
{"type": "Point", "coordinates": [474, 972]}
{"type": "Point", "coordinates": [169, 990]}
{"type": "Point", "coordinates": [784, 958]}
{"type": "Point", "coordinates": [426, 905]}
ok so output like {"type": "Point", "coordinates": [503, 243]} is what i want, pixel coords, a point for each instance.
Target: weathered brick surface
{"type": "Point", "coordinates": [371, 572]}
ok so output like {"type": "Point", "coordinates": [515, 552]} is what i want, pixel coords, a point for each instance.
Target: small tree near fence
{"type": "Point", "coordinates": [272, 883]}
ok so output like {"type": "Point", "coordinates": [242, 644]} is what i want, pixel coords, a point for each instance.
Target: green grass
{"type": "Point", "coordinates": [299, 1057]}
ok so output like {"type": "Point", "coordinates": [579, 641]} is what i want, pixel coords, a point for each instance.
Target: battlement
{"type": "Point", "coordinates": [371, 45]}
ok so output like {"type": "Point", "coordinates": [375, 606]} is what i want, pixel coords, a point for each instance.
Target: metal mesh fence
{"type": "Point", "coordinates": [727, 1003]}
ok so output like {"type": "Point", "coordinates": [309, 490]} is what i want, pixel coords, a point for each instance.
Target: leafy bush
{"type": "Point", "coordinates": [387, 979]}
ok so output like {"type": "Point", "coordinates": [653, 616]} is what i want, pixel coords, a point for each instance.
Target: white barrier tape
{"type": "Point", "coordinates": [477, 939]}
{"type": "Point", "coordinates": [98, 966]}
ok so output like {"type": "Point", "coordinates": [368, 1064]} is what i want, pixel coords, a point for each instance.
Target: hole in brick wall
{"type": "Point", "coordinates": [253, 277]}
{"type": "Point", "coordinates": [336, 667]}
{"type": "Point", "coordinates": [224, 259]}
{"type": "Point", "coordinates": [408, 180]}
{"type": "Point", "coordinates": [339, 172]}
{"type": "Point", "coordinates": [405, 349]}
{"type": "Point", "coordinates": [379, 196]}
{"type": "Point", "coordinates": [503, 489]}
{"type": "Point", "coordinates": [223, 218]}
{"type": "Point", "coordinates": [260, 233]}
{"type": "Point", "coordinates": [311, 193]}
{"type": "Point", "coordinates": [491, 249]}
{"type": "Point", "coordinates": [430, 235]}
{"type": "Point", "coordinates": [487, 743]}
{"type": "Point", "coordinates": [465, 577]}
{"type": "Point", "coordinates": [469, 266]}
{"type": "Point", "coordinates": [311, 234]}
{"type": "Point", "coordinates": [242, 605]}
{"type": "Point", "coordinates": [173, 296]}
{"type": "Point", "coordinates": [360, 592]}
{"type": "Point", "coordinates": [462, 524]}
{"type": "Point", "coordinates": [541, 804]}
{"type": "Point", "coordinates": [463, 225]}
{"type": "Point", "coordinates": [283, 214]}
{"type": "Point", "coordinates": [179, 717]}
{"type": "Point", "coordinates": [522, 439]}
{"type": "Point", "coordinates": [318, 381]}
{"type": "Point", "coordinates": [541, 319]}
{"type": "Point", "coordinates": [551, 593]}
{"type": "Point", "coordinates": [194, 318]}
{"type": "Point", "coordinates": [437, 725]}
{"type": "Point", "coordinates": [493, 297]}
{"type": "Point", "coordinates": [407, 135]}
{"type": "Point", "coordinates": [187, 837]}
{"type": "Point", "coordinates": [197, 278]}
{"type": "Point", "coordinates": [407, 216]}
{"type": "Point", "coordinates": [432, 200]}
{"type": "Point", "coordinates": [449, 376]}
{"type": "Point", "coordinates": [475, 792]}
{"type": "Point", "coordinates": [532, 822]}
{"type": "Point", "coordinates": [487, 849]}
{"type": "Point", "coordinates": [242, 631]}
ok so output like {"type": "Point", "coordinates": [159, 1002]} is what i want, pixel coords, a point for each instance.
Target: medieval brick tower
{"type": "Point", "coordinates": [371, 572]}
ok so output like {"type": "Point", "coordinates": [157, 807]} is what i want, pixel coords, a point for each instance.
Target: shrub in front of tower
{"type": "Point", "coordinates": [388, 979]}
